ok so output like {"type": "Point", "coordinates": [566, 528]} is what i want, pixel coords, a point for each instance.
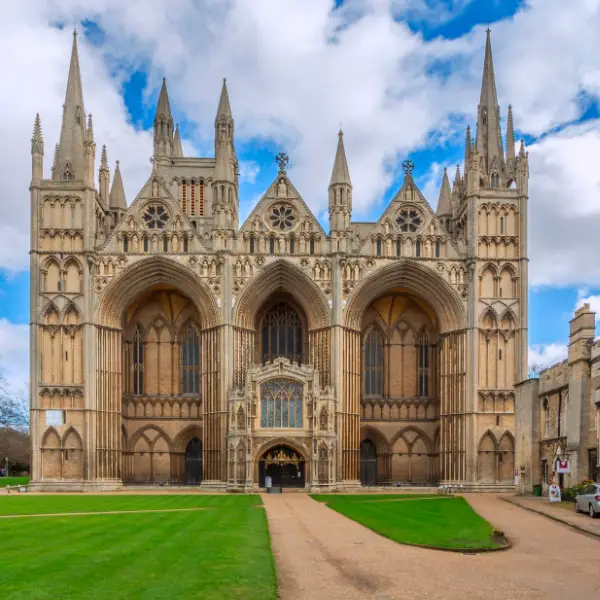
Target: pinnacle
{"type": "Point", "coordinates": [37, 129]}
{"type": "Point", "coordinates": [340, 173]}
{"type": "Point", "coordinates": [104, 158]}
{"type": "Point", "coordinates": [510, 135]}
{"type": "Point", "coordinates": [117, 193]}
{"type": "Point", "coordinates": [163, 108]}
{"type": "Point", "coordinates": [224, 109]}
{"type": "Point", "coordinates": [444, 206]}
{"type": "Point", "coordinates": [177, 147]}
{"type": "Point", "coordinates": [74, 95]}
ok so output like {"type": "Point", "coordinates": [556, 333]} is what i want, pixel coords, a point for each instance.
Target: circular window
{"type": "Point", "coordinates": [408, 220]}
{"type": "Point", "coordinates": [155, 216]}
{"type": "Point", "coordinates": [282, 217]}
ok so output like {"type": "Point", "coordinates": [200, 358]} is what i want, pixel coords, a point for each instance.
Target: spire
{"type": "Point", "coordinates": [489, 137]}
{"type": "Point", "coordinates": [55, 163]}
{"type": "Point", "coordinates": [510, 137]}
{"type": "Point", "coordinates": [340, 173]}
{"type": "Point", "coordinates": [70, 159]}
{"type": "Point", "coordinates": [177, 147]}
{"type": "Point", "coordinates": [444, 206]}
{"type": "Point", "coordinates": [224, 110]}
{"type": "Point", "coordinates": [163, 124]}
{"type": "Point", "coordinates": [104, 175]}
{"type": "Point", "coordinates": [117, 192]}
{"type": "Point", "coordinates": [37, 140]}
{"type": "Point", "coordinates": [467, 144]}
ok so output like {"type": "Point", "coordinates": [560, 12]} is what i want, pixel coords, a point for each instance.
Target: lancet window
{"type": "Point", "coordinates": [282, 333]}
{"type": "Point", "coordinates": [190, 364]}
{"type": "Point", "coordinates": [281, 404]}
{"type": "Point", "coordinates": [373, 363]}
{"type": "Point", "coordinates": [138, 362]}
{"type": "Point", "coordinates": [423, 365]}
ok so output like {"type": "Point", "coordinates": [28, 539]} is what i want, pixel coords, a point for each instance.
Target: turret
{"type": "Point", "coordinates": [163, 124]}
{"type": "Point", "coordinates": [70, 160]}
{"type": "Point", "coordinates": [104, 176]}
{"type": "Point", "coordinates": [225, 201]}
{"type": "Point", "coordinates": [340, 193]}
{"type": "Point", "coordinates": [37, 151]}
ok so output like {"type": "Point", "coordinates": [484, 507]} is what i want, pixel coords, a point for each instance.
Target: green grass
{"type": "Point", "coordinates": [6, 481]}
{"type": "Point", "coordinates": [445, 522]}
{"type": "Point", "coordinates": [222, 552]}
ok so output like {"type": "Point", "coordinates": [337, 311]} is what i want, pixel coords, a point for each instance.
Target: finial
{"type": "Point", "coordinates": [74, 31]}
{"type": "Point", "coordinates": [118, 163]}
{"type": "Point", "coordinates": [408, 166]}
{"type": "Point", "coordinates": [282, 160]}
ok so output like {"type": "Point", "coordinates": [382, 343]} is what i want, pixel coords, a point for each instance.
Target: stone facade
{"type": "Point", "coordinates": [169, 344]}
{"type": "Point", "coordinates": [558, 414]}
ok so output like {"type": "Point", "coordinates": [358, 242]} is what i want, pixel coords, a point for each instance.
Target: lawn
{"type": "Point", "coordinates": [445, 522]}
{"type": "Point", "coordinates": [222, 552]}
{"type": "Point", "coordinates": [6, 481]}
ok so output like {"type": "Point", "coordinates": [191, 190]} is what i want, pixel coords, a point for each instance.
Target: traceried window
{"type": "Point", "coordinates": [155, 216]}
{"type": "Point", "coordinates": [408, 220]}
{"type": "Point", "coordinates": [190, 363]}
{"type": "Point", "coordinates": [282, 217]}
{"type": "Point", "coordinates": [423, 365]}
{"type": "Point", "coordinates": [373, 363]}
{"type": "Point", "coordinates": [282, 334]}
{"type": "Point", "coordinates": [138, 362]}
{"type": "Point", "coordinates": [281, 404]}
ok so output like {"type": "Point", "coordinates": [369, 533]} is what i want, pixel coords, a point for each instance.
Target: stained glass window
{"type": "Point", "coordinates": [282, 217]}
{"type": "Point", "coordinates": [138, 362]}
{"type": "Point", "coordinates": [373, 365]}
{"type": "Point", "coordinates": [190, 363]}
{"type": "Point", "coordinates": [155, 216]}
{"type": "Point", "coordinates": [282, 333]}
{"type": "Point", "coordinates": [408, 220]}
{"type": "Point", "coordinates": [281, 404]}
{"type": "Point", "coordinates": [423, 365]}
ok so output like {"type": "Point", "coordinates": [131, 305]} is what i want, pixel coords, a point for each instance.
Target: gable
{"type": "Point", "coordinates": [281, 210]}
{"type": "Point", "coordinates": [154, 211]}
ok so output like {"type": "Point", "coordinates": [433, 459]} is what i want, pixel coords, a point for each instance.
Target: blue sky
{"type": "Point", "coordinates": [401, 76]}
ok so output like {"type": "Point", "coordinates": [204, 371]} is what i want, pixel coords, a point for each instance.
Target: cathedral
{"type": "Point", "coordinates": [172, 345]}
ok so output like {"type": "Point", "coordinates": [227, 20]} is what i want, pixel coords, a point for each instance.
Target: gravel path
{"type": "Point", "coordinates": [322, 555]}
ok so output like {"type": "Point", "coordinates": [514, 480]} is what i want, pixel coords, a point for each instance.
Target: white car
{"type": "Point", "coordinates": [589, 500]}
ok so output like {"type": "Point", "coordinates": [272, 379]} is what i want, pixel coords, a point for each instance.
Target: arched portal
{"type": "Point", "coordinates": [368, 463]}
{"type": "Point", "coordinates": [193, 461]}
{"type": "Point", "coordinates": [284, 465]}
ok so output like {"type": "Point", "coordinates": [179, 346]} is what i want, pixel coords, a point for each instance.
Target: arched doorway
{"type": "Point", "coordinates": [193, 461]}
{"type": "Point", "coordinates": [283, 465]}
{"type": "Point", "coordinates": [368, 463]}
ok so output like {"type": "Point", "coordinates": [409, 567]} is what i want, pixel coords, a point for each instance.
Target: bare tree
{"type": "Point", "coordinates": [14, 425]}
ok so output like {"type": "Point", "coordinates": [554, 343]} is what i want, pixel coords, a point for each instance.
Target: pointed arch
{"type": "Point", "coordinates": [377, 437]}
{"type": "Point", "coordinates": [487, 281]}
{"type": "Point", "coordinates": [488, 442]}
{"type": "Point", "coordinates": [489, 319]}
{"type": "Point", "coordinates": [72, 440]}
{"type": "Point", "coordinates": [73, 276]}
{"type": "Point", "coordinates": [190, 359]}
{"type": "Point", "coordinates": [508, 319]}
{"type": "Point", "coordinates": [51, 276]}
{"type": "Point", "coordinates": [152, 440]}
{"type": "Point", "coordinates": [51, 439]}
{"type": "Point", "coordinates": [373, 367]}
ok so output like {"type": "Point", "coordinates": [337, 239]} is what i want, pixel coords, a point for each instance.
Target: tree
{"type": "Point", "coordinates": [14, 426]}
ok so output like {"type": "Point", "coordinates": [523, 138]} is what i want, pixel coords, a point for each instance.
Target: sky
{"type": "Point", "coordinates": [402, 78]}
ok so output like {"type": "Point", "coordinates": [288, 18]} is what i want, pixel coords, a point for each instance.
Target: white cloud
{"type": "Point", "coordinates": [542, 356]}
{"type": "Point", "coordinates": [584, 297]}
{"type": "Point", "coordinates": [14, 354]}
{"type": "Point", "coordinates": [295, 71]}
{"type": "Point", "coordinates": [249, 170]}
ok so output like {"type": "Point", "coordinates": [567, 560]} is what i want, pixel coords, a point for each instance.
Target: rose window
{"type": "Point", "coordinates": [408, 220]}
{"type": "Point", "coordinates": [155, 217]}
{"type": "Point", "coordinates": [282, 217]}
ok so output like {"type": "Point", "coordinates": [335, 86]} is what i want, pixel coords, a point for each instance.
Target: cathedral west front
{"type": "Point", "coordinates": [172, 344]}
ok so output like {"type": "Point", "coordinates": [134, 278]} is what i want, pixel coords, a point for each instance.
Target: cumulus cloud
{"type": "Point", "coordinates": [542, 356]}
{"type": "Point", "coordinates": [584, 297]}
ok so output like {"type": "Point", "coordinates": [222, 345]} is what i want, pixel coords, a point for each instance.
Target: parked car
{"type": "Point", "coordinates": [589, 500]}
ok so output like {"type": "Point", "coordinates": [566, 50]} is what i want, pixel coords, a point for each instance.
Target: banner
{"type": "Point", "coordinates": [563, 466]}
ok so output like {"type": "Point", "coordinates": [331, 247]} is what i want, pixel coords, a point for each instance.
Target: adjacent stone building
{"type": "Point", "coordinates": [558, 414]}
{"type": "Point", "coordinates": [171, 344]}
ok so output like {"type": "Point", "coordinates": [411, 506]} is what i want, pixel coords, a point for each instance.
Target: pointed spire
{"type": "Point", "coordinates": [90, 129]}
{"type": "Point", "coordinates": [522, 152]}
{"type": "Point", "coordinates": [37, 140]}
{"type": "Point", "coordinates": [104, 159]}
{"type": "Point", "coordinates": [177, 147]}
{"type": "Point", "coordinates": [70, 155]}
{"type": "Point", "coordinates": [224, 109]}
{"type": "Point", "coordinates": [489, 136]}
{"type": "Point", "coordinates": [444, 206]}
{"type": "Point", "coordinates": [117, 192]}
{"type": "Point", "coordinates": [510, 136]}
{"type": "Point", "coordinates": [467, 144]}
{"type": "Point", "coordinates": [104, 175]}
{"type": "Point", "coordinates": [163, 108]}
{"type": "Point", "coordinates": [55, 163]}
{"type": "Point", "coordinates": [340, 173]}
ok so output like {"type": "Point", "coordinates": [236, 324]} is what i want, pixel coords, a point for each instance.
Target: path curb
{"type": "Point", "coordinates": [553, 518]}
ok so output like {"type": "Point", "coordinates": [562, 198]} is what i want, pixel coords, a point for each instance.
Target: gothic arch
{"type": "Point", "coordinates": [146, 273]}
{"type": "Point", "coordinates": [419, 434]}
{"type": "Point", "coordinates": [51, 439]}
{"type": "Point", "coordinates": [282, 275]}
{"type": "Point", "coordinates": [282, 441]}
{"type": "Point", "coordinates": [488, 442]}
{"type": "Point", "coordinates": [140, 432]}
{"type": "Point", "coordinates": [509, 318]}
{"type": "Point", "coordinates": [489, 319]}
{"type": "Point", "coordinates": [75, 438]}
{"type": "Point", "coordinates": [414, 278]}
{"type": "Point", "coordinates": [183, 438]}
{"type": "Point", "coordinates": [375, 436]}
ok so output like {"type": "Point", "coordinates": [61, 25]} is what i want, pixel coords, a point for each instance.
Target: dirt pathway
{"type": "Point", "coordinates": [322, 555]}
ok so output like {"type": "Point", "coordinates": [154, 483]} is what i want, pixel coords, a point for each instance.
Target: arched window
{"type": "Point", "coordinates": [165, 244]}
{"type": "Point", "coordinates": [125, 244]}
{"type": "Point", "coordinates": [546, 418]}
{"type": "Point", "coordinates": [292, 244]}
{"type": "Point", "coordinates": [312, 245]}
{"type": "Point", "coordinates": [282, 333]}
{"type": "Point", "coordinates": [185, 244]}
{"type": "Point", "coordinates": [378, 247]}
{"type": "Point", "coordinates": [145, 244]}
{"type": "Point", "coordinates": [501, 224]}
{"type": "Point", "coordinates": [281, 403]}
{"type": "Point", "coordinates": [398, 247]}
{"type": "Point", "coordinates": [418, 249]}
{"type": "Point", "coordinates": [272, 245]}
{"type": "Point", "coordinates": [373, 369]}
{"type": "Point", "coordinates": [423, 365]}
{"type": "Point", "coordinates": [251, 244]}
{"type": "Point", "coordinates": [138, 362]}
{"type": "Point", "coordinates": [190, 364]}
{"type": "Point", "coordinates": [437, 248]}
